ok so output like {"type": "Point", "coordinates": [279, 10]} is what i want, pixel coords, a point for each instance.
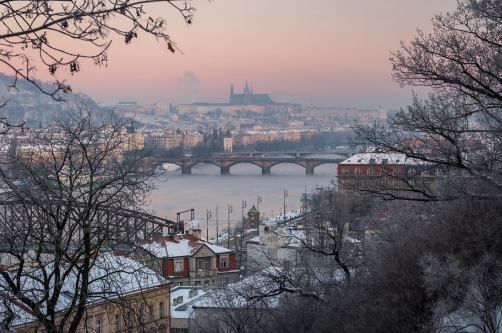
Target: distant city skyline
{"type": "Point", "coordinates": [334, 53]}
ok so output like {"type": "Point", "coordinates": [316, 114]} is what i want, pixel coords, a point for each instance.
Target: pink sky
{"type": "Point", "coordinates": [333, 52]}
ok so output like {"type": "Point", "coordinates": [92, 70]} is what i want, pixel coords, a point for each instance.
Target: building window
{"type": "Point", "coordinates": [345, 182]}
{"type": "Point", "coordinates": [151, 313]}
{"type": "Point", "coordinates": [199, 264]}
{"type": "Point", "coordinates": [383, 171]}
{"type": "Point", "coordinates": [371, 182]}
{"type": "Point", "coordinates": [345, 171]}
{"type": "Point", "coordinates": [206, 283]}
{"type": "Point", "coordinates": [140, 314]}
{"type": "Point", "coordinates": [357, 172]}
{"type": "Point", "coordinates": [224, 262]}
{"type": "Point", "coordinates": [385, 161]}
{"type": "Point", "coordinates": [161, 310]}
{"type": "Point", "coordinates": [396, 172]}
{"type": "Point", "coordinates": [223, 282]}
{"type": "Point", "coordinates": [197, 283]}
{"type": "Point", "coordinates": [177, 284]}
{"type": "Point", "coordinates": [206, 265]}
{"type": "Point", "coordinates": [396, 183]}
{"type": "Point", "coordinates": [272, 254]}
{"type": "Point", "coordinates": [359, 182]}
{"type": "Point", "coordinates": [117, 322]}
{"type": "Point", "coordinates": [128, 322]}
{"type": "Point", "coordinates": [178, 266]}
{"type": "Point", "coordinates": [384, 182]}
{"type": "Point", "coordinates": [371, 172]}
{"type": "Point", "coordinates": [98, 325]}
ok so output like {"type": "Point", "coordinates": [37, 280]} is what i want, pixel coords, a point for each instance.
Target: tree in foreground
{"type": "Point", "coordinates": [63, 33]}
{"type": "Point", "coordinates": [456, 131]}
{"type": "Point", "coordinates": [68, 197]}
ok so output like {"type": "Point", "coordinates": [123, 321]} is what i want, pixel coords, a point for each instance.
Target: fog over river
{"type": "Point", "coordinates": [205, 189]}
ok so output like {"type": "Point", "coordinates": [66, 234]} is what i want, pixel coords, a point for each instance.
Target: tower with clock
{"type": "Point", "coordinates": [254, 217]}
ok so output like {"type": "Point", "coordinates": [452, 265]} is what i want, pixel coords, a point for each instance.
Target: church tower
{"type": "Point", "coordinates": [232, 93]}
{"type": "Point", "coordinates": [246, 95]}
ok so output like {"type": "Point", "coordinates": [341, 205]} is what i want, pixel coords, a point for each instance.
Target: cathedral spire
{"type": "Point", "coordinates": [245, 95]}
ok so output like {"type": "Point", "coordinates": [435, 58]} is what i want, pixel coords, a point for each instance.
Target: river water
{"type": "Point", "coordinates": [206, 189]}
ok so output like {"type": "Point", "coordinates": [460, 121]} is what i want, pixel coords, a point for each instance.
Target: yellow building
{"type": "Point", "coordinates": [130, 298]}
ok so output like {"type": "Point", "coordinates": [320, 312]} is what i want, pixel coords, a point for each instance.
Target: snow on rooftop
{"type": "Point", "coordinates": [380, 158]}
{"type": "Point", "coordinates": [184, 247]}
{"type": "Point", "coordinates": [110, 276]}
{"type": "Point", "coordinates": [190, 296]}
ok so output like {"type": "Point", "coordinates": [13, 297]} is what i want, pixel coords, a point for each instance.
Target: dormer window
{"type": "Point", "coordinates": [372, 161]}
{"type": "Point", "coordinates": [385, 161]}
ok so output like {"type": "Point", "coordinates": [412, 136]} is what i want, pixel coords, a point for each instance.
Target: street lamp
{"type": "Point", "coordinates": [208, 216]}
{"type": "Point", "coordinates": [230, 210]}
{"type": "Point", "coordinates": [285, 195]}
{"type": "Point", "coordinates": [244, 205]}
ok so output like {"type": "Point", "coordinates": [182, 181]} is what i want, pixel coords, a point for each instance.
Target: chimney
{"type": "Point", "coordinates": [193, 292]}
{"type": "Point", "coordinates": [197, 233]}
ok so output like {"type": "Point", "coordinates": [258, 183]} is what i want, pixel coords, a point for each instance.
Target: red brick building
{"type": "Point", "coordinates": [385, 173]}
{"type": "Point", "coordinates": [187, 260]}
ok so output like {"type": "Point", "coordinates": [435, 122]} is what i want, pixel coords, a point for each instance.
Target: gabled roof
{"type": "Point", "coordinates": [181, 246]}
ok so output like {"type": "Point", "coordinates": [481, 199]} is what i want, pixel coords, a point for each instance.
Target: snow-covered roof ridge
{"type": "Point", "coordinates": [381, 159]}
{"type": "Point", "coordinates": [183, 246]}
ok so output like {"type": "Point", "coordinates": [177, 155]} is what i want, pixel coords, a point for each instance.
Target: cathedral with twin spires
{"type": "Point", "coordinates": [248, 97]}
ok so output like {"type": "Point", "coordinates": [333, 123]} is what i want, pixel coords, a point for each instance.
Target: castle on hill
{"type": "Point", "coordinates": [248, 97]}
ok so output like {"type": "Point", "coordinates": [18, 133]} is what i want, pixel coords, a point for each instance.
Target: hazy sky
{"type": "Point", "coordinates": [333, 52]}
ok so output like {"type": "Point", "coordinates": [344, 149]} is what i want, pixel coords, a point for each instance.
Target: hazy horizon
{"type": "Point", "coordinates": [334, 53]}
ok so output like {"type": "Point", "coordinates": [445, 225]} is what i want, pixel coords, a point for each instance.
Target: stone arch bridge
{"type": "Point", "coordinates": [265, 163]}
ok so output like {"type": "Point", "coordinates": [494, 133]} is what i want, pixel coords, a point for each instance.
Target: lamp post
{"type": "Point", "coordinates": [244, 205]}
{"type": "Point", "coordinates": [258, 200]}
{"type": "Point", "coordinates": [208, 216]}
{"type": "Point", "coordinates": [285, 195]}
{"type": "Point", "coordinates": [230, 210]}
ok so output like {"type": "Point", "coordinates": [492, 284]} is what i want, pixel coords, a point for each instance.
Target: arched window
{"type": "Point", "coordinates": [371, 172]}
{"type": "Point", "coordinates": [345, 171]}
{"type": "Point", "coordinates": [357, 172]}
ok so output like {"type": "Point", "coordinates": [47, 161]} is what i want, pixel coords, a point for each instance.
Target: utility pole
{"type": "Point", "coordinates": [230, 210]}
{"type": "Point", "coordinates": [244, 205]}
{"type": "Point", "coordinates": [208, 216]}
{"type": "Point", "coordinates": [284, 211]}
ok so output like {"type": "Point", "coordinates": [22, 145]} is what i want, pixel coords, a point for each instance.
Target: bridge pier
{"type": "Point", "coordinates": [265, 171]}
{"type": "Point", "coordinates": [186, 170]}
{"type": "Point", "coordinates": [309, 171]}
{"type": "Point", "coordinates": [224, 171]}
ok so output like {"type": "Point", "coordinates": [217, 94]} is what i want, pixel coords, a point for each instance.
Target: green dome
{"type": "Point", "coordinates": [253, 210]}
